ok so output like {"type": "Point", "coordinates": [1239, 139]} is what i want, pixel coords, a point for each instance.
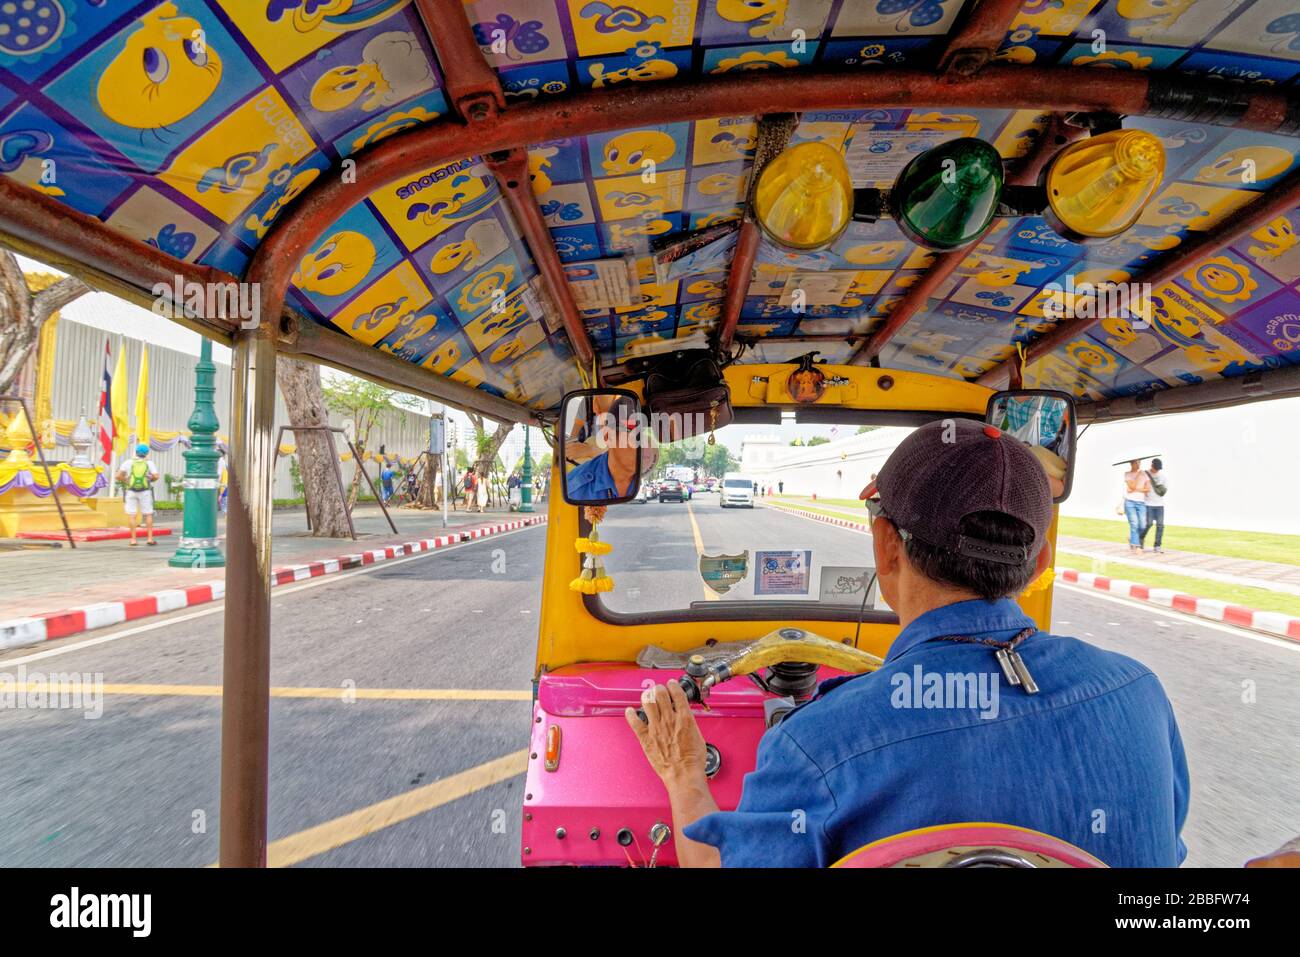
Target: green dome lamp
{"type": "Point", "coordinates": [948, 196]}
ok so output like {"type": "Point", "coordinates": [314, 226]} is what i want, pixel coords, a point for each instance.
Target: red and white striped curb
{"type": "Point", "coordinates": [21, 632]}
{"type": "Point", "coordinates": [819, 517]}
{"type": "Point", "coordinates": [1271, 622]}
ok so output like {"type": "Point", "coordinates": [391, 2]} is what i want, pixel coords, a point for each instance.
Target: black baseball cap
{"type": "Point", "coordinates": [951, 468]}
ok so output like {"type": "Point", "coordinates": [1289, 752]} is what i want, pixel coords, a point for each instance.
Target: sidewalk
{"type": "Point", "coordinates": [42, 580]}
{"type": "Point", "coordinates": [1273, 576]}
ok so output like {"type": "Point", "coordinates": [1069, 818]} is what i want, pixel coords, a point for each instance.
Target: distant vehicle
{"type": "Point", "coordinates": [737, 490]}
{"type": "Point", "coordinates": [671, 490]}
{"type": "Point", "coordinates": [643, 494]}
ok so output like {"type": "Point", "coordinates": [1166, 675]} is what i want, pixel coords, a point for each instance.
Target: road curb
{"type": "Point", "coordinates": [1269, 622]}
{"type": "Point", "coordinates": [864, 527]}
{"type": "Point", "coordinates": [32, 630]}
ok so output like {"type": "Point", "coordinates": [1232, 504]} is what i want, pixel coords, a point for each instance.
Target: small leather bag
{"type": "Point", "coordinates": [687, 384]}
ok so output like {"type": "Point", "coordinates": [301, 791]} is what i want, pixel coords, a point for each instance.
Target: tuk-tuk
{"type": "Point", "coordinates": [665, 219]}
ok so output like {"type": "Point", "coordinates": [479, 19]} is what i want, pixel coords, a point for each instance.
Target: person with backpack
{"type": "Point", "coordinates": [137, 476]}
{"type": "Point", "coordinates": [1155, 500]}
{"type": "Point", "coordinates": [469, 483]}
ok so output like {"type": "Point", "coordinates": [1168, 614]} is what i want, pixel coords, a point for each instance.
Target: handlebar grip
{"type": "Point", "coordinates": [692, 695]}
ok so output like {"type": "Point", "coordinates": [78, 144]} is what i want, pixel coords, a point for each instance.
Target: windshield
{"type": "Point", "coordinates": [792, 541]}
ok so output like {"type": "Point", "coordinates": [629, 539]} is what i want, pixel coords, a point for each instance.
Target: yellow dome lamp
{"type": "Point", "coordinates": [804, 197]}
{"type": "Point", "coordinates": [1098, 187]}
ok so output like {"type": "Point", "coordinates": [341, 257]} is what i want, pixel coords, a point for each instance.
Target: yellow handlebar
{"type": "Point", "coordinates": [795, 644]}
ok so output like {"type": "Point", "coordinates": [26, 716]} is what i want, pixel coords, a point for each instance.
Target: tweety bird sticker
{"type": "Point", "coordinates": [628, 152]}
{"type": "Point", "coordinates": [165, 72]}
{"type": "Point", "coordinates": [393, 69]}
{"type": "Point", "coordinates": [340, 262]}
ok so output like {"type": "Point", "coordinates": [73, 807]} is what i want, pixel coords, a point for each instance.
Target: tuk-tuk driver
{"type": "Point", "coordinates": [1093, 756]}
{"type": "Point", "coordinates": [608, 455]}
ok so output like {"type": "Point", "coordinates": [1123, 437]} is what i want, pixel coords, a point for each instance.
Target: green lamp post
{"type": "Point", "coordinates": [526, 479]}
{"type": "Point", "coordinates": [198, 544]}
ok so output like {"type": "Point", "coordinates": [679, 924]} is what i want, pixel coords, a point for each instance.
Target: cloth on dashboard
{"type": "Point", "coordinates": [1094, 758]}
{"type": "Point", "coordinates": [652, 656]}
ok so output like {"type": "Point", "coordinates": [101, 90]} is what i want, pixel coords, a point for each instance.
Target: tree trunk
{"type": "Point", "coordinates": [23, 312]}
{"type": "Point", "coordinates": [487, 449]}
{"type": "Point", "coordinates": [300, 385]}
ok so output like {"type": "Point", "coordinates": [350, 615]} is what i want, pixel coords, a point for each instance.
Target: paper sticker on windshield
{"type": "Point", "coordinates": [721, 572]}
{"type": "Point", "coordinates": [783, 573]}
{"type": "Point", "coordinates": [844, 584]}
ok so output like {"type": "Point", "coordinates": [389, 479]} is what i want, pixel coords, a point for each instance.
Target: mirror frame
{"type": "Point", "coordinates": [1074, 428]}
{"type": "Point", "coordinates": [562, 439]}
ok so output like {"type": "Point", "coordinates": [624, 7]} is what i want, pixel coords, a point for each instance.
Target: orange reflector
{"type": "Point", "coordinates": [552, 747]}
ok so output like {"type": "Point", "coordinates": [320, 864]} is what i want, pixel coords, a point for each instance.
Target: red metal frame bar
{"type": "Point", "coordinates": [473, 87]}
{"type": "Point", "coordinates": [979, 37]}
{"type": "Point", "coordinates": [475, 90]}
{"type": "Point", "coordinates": [511, 171]}
{"type": "Point", "coordinates": [739, 274]}
{"type": "Point", "coordinates": [73, 238]}
{"type": "Point", "coordinates": [1279, 200]}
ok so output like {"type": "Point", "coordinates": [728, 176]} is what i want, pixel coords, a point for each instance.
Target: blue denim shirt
{"type": "Point", "coordinates": [1095, 758]}
{"type": "Point", "coordinates": [591, 480]}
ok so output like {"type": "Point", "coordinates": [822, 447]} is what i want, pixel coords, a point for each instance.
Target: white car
{"type": "Point", "coordinates": [737, 490]}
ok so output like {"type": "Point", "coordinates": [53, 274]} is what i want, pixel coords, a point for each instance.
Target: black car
{"type": "Point", "coordinates": [671, 490]}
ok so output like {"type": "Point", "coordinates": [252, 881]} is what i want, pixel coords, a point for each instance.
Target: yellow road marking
{"type": "Point", "coordinates": [350, 827]}
{"type": "Point", "coordinates": [375, 694]}
{"type": "Point", "coordinates": [709, 593]}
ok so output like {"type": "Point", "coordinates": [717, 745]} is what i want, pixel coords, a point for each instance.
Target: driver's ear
{"type": "Point", "coordinates": [884, 546]}
{"type": "Point", "coordinates": [1043, 561]}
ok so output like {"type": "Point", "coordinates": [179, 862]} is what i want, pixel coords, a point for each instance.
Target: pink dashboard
{"type": "Point", "coordinates": [591, 798]}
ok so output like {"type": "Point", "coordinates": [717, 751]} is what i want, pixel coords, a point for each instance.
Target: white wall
{"type": "Point", "coordinates": [1228, 468]}
{"type": "Point", "coordinates": [1233, 468]}
{"type": "Point", "coordinates": [838, 469]}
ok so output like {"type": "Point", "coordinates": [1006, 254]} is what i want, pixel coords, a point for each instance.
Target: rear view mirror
{"type": "Point", "coordinates": [1044, 420]}
{"type": "Point", "coordinates": [601, 433]}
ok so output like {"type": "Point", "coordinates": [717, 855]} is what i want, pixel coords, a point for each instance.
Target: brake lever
{"type": "Point", "coordinates": [693, 683]}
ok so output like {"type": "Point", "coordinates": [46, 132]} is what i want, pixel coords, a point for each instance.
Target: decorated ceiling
{"type": "Point", "coordinates": [192, 124]}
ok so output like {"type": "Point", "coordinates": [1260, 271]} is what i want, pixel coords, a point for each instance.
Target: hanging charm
{"type": "Point", "coordinates": [593, 578]}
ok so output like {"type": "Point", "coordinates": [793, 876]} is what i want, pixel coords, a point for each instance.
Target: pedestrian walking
{"type": "Point", "coordinates": [1155, 502]}
{"type": "Point", "coordinates": [1136, 486]}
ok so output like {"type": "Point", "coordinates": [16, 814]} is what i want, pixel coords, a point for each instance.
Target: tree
{"type": "Point", "coordinates": [363, 402]}
{"type": "Point", "coordinates": [718, 461]}
{"type": "Point", "coordinates": [818, 440]}
{"type": "Point", "coordinates": [867, 428]}
{"type": "Point", "coordinates": [23, 311]}
{"type": "Point", "coordinates": [301, 388]}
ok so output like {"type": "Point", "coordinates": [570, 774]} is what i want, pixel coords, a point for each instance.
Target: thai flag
{"type": "Point", "coordinates": [106, 434]}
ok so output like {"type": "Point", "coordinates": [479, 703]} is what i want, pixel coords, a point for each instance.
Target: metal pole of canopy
{"type": "Point", "coordinates": [246, 677]}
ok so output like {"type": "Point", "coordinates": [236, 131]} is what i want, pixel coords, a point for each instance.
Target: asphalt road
{"type": "Point", "coordinates": [139, 785]}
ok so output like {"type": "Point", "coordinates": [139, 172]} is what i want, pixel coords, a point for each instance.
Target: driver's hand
{"type": "Point", "coordinates": [669, 736]}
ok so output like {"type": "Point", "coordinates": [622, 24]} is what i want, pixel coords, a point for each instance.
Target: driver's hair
{"type": "Point", "coordinates": [989, 580]}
